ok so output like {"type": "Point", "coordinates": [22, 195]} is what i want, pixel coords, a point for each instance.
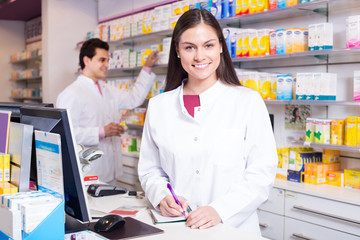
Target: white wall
{"type": "Point", "coordinates": [64, 23]}
{"type": "Point", "coordinates": [12, 40]}
{"type": "Point", "coordinates": [112, 8]}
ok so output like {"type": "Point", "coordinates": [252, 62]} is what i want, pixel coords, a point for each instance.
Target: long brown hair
{"type": "Point", "coordinates": [176, 73]}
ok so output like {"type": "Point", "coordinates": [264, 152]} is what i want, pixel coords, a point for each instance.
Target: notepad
{"type": "Point", "coordinates": [158, 218]}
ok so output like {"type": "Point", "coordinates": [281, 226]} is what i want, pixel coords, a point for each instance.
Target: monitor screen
{"type": "Point", "coordinates": [56, 120]}
{"type": "Point", "coordinates": [14, 108]}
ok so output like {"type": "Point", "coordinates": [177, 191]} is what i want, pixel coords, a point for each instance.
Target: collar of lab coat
{"type": "Point", "coordinates": [88, 82]}
{"type": "Point", "coordinates": [207, 98]}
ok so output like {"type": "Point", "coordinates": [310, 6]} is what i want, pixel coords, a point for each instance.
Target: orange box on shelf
{"type": "Point", "coordinates": [337, 132]}
{"type": "Point", "coordinates": [335, 178]}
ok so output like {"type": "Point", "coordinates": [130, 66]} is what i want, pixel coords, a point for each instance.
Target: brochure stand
{"type": "Point", "coordinates": [49, 163]}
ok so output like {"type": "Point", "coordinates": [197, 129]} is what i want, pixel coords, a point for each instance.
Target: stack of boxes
{"type": "Point", "coordinates": [335, 131]}
{"type": "Point", "coordinates": [5, 186]}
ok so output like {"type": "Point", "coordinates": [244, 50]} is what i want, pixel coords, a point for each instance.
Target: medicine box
{"type": "Point", "coordinates": [335, 178]}
{"type": "Point", "coordinates": [352, 178]}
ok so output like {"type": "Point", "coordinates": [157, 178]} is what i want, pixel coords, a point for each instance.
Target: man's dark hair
{"type": "Point", "coordinates": [88, 49]}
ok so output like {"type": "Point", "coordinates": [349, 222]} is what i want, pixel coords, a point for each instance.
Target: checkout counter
{"type": "Point", "coordinates": [177, 230]}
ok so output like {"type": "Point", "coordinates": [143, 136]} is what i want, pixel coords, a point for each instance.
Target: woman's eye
{"type": "Point", "coordinates": [189, 47]}
{"type": "Point", "coordinates": [209, 45]}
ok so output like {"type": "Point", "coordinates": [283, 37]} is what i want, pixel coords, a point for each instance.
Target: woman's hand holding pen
{"type": "Point", "coordinates": [203, 217]}
{"type": "Point", "coordinates": [169, 208]}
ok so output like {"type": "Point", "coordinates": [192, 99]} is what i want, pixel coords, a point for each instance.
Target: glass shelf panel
{"type": "Point", "coordinates": [130, 71]}
{"type": "Point", "coordinates": [318, 103]}
{"type": "Point", "coordinates": [22, 61]}
{"type": "Point", "coordinates": [26, 79]}
{"type": "Point", "coordinates": [328, 146]}
{"type": "Point", "coordinates": [339, 51]}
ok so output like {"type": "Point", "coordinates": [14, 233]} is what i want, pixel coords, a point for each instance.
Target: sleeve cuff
{"type": "Point", "coordinates": [101, 133]}
{"type": "Point", "coordinates": [147, 69]}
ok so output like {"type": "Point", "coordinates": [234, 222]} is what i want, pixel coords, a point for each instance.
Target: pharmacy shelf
{"type": "Point", "coordinates": [122, 72]}
{"type": "Point", "coordinates": [322, 54]}
{"type": "Point", "coordinates": [26, 60]}
{"type": "Point", "coordinates": [27, 98]}
{"type": "Point", "coordinates": [26, 79]}
{"type": "Point", "coordinates": [130, 41]}
{"type": "Point", "coordinates": [135, 126]}
{"type": "Point", "coordinates": [317, 103]}
{"type": "Point", "coordinates": [346, 195]}
{"type": "Point", "coordinates": [328, 146]}
{"type": "Point", "coordinates": [319, 7]}
{"type": "Point", "coordinates": [131, 154]}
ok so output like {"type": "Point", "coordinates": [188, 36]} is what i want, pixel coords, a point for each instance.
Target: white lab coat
{"type": "Point", "coordinates": [90, 110]}
{"type": "Point", "coordinates": [224, 157]}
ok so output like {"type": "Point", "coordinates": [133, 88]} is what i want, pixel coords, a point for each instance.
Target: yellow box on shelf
{"type": "Point", "coordinates": [352, 178]}
{"type": "Point", "coordinates": [351, 131]}
{"type": "Point", "coordinates": [7, 188]}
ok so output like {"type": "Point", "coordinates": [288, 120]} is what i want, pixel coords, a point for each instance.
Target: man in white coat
{"type": "Point", "coordinates": [94, 106]}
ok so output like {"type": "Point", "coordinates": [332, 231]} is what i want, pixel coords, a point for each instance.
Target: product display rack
{"type": "Point", "coordinates": [26, 81]}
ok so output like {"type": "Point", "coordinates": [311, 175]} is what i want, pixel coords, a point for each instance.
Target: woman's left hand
{"type": "Point", "coordinates": [203, 217]}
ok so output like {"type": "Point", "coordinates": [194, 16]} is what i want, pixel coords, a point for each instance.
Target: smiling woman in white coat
{"type": "Point", "coordinates": [94, 106]}
{"type": "Point", "coordinates": [207, 135]}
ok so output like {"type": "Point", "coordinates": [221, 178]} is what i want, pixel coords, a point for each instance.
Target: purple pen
{"type": "Point", "coordinates": [175, 197]}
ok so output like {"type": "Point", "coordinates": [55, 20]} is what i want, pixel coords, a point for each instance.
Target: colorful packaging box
{"type": "Point", "coordinates": [280, 41]}
{"type": "Point", "coordinates": [1, 168]}
{"type": "Point", "coordinates": [253, 42]}
{"type": "Point", "coordinates": [272, 4]}
{"type": "Point", "coordinates": [284, 87]}
{"type": "Point", "coordinates": [335, 178]}
{"type": "Point", "coordinates": [330, 155]}
{"type": "Point", "coordinates": [325, 36]}
{"type": "Point", "coordinates": [230, 35]}
{"type": "Point", "coordinates": [216, 9]}
{"type": "Point", "coordinates": [262, 5]}
{"type": "Point", "coordinates": [263, 37]}
{"type": "Point", "coordinates": [353, 32]}
{"type": "Point", "coordinates": [245, 42]}
{"type": "Point", "coordinates": [356, 86]}
{"type": "Point", "coordinates": [350, 131]}
{"type": "Point", "coordinates": [322, 131]}
{"type": "Point", "coordinates": [337, 132]}
{"type": "Point", "coordinates": [252, 6]}
{"type": "Point", "coordinates": [238, 7]}
{"type": "Point", "coordinates": [273, 79]}
{"type": "Point", "coordinates": [245, 7]}
{"type": "Point", "coordinates": [310, 129]}
{"type": "Point", "coordinates": [281, 3]}
{"type": "Point", "coordinates": [352, 178]}
{"type": "Point", "coordinates": [265, 85]}
{"type": "Point", "coordinates": [312, 37]}
{"type": "Point", "coordinates": [291, 2]}
{"type": "Point", "coordinates": [272, 40]}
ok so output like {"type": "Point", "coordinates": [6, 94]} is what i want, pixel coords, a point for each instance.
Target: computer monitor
{"type": "Point", "coordinates": [14, 108]}
{"type": "Point", "coordinates": [56, 120]}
